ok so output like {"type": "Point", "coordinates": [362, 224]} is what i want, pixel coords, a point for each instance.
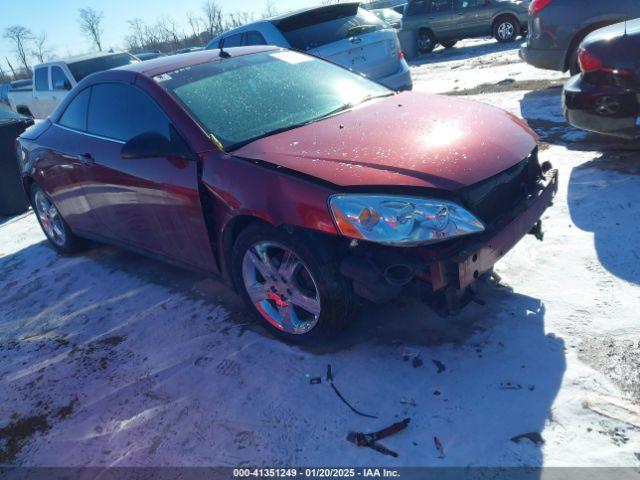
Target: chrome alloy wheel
{"type": "Point", "coordinates": [50, 219]}
{"type": "Point", "coordinates": [281, 287]}
{"type": "Point", "coordinates": [506, 30]}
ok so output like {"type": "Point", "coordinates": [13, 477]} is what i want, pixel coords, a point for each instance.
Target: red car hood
{"type": "Point", "coordinates": [411, 139]}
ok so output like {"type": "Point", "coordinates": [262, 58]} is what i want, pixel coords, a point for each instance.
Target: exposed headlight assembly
{"type": "Point", "coordinates": [399, 220]}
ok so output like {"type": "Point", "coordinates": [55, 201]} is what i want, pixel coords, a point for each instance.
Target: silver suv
{"type": "Point", "coordinates": [343, 33]}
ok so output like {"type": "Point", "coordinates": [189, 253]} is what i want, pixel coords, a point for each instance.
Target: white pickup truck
{"type": "Point", "coordinates": [53, 80]}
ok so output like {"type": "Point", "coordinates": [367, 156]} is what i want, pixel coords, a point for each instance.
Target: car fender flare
{"type": "Point", "coordinates": [505, 13]}
{"type": "Point", "coordinates": [581, 35]}
{"type": "Point", "coordinates": [326, 243]}
{"type": "Point", "coordinates": [425, 28]}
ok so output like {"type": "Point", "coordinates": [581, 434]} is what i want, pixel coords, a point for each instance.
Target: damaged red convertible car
{"type": "Point", "coordinates": [301, 183]}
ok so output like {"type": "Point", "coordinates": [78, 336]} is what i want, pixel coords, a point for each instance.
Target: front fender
{"type": "Point", "coordinates": [246, 190]}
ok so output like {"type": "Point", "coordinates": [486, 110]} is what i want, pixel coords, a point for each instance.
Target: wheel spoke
{"type": "Point", "coordinates": [275, 289]}
{"type": "Point", "coordinates": [288, 265]}
{"type": "Point", "coordinates": [286, 318]}
{"type": "Point", "coordinates": [262, 263]}
{"type": "Point", "coordinates": [257, 292]}
{"type": "Point", "coordinates": [57, 229]}
{"type": "Point", "coordinates": [308, 304]}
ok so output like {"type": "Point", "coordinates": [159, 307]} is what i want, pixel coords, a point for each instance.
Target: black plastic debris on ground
{"type": "Point", "coordinates": [439, 365]}
{"type": "Point", "coordinates": [341, 397]}
{"type": "Point", "coordinates": [439, 447]}
{"type": "Point", "coordinates": [534, 437]}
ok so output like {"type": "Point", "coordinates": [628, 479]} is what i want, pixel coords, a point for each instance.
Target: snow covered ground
{"type": "Point", "coordinates": [111, 359]}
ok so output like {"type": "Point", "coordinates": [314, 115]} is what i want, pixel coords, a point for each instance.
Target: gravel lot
{"type": "Point", "coordinates": [111, 359]}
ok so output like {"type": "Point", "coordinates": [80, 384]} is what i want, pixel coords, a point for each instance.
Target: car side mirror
{"type": "Point", "coordinates": [155, 145]}
{"type": "Point", "coordinates": [62, 85]}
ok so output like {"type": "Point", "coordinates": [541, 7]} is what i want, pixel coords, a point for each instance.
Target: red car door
{"type": "Point", "coordinates": [66, 171]}
{"type": "Point", "coordinates": [147, 203]}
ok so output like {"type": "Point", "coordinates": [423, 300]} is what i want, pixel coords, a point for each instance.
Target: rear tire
{"type": "Point", "coordinates": [53, 225]}
{"type": "Point", "coordinates": [25, 111]}
{"type": "Point", "coordinates": [426, 41]}
{"type": "Point", "coordinates": [448, 43]}
{"type": "Point", "coordinates": [506, 29]}
{"type": "Point", "coordinates": [292, 283]}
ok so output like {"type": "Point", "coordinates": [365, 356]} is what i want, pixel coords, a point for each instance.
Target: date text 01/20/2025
{"type": "Point", "coordinates": [315, 473]}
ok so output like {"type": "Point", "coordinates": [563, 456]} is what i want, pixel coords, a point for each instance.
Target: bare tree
{"type": "Point", "coordinates": [90, 23]}
{"type": "Point", "coordinates": [194, 23]}
{"type": "Point", "coordinates": [40, 51]}
{"type": "Point", "coordinates": [237, 19]}
{"type": "Point", "coordinates": [169, 29]}
{"type": "Point", "coordinates": [13, 72]}
{"type": "Point", "coordinates": [19, 36]}
{"type": "Point", "coordinates": [213, 20]}
{"type": "Point", "coordinates": [136, 40]}
{"type": "Point", "coordinates": [270, 9]}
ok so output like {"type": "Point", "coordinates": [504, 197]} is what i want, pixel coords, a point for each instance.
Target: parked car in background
{"type": "Point", "coordinates": [557, 27]}
{"type": "Point", "coordinates": [12, 196]}
{"type": "Point", "coordinates": [301, 183]}
{"type": "Point", "coordinates": [4, 95]}
{"type": "Point", "coordinates": [185, 50]}
{"type": "Point", "coordinates": [150, 55]}
{"type": "Point", "coordinates": [53, 80]}
{"type": "Point", "coordinates": [343, 33]}
{"type": "Point", "coordinates": [605, 97]}
{"type": "Point", "coordinates": [389, 16]}
{"type": "Point", "coordinates": [445, 22]}
{"type": "Point", "coordinates": [19, 91]}
{"type": "Point", "coordinates": [399, 8]}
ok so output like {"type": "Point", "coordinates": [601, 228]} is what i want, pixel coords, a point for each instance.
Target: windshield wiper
{"type": "Point", "coordinates": [241, 144]}
{"type": "Point", "coordinates": [350, 105]}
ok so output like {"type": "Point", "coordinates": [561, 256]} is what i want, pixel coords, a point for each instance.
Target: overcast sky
{"type": "Point", "coordinates": [58, 18]}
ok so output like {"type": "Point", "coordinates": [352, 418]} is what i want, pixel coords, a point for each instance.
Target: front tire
{"type": "Point", "coordinates": [506, 29]}
{"type": "Point", "coordinates": [53, 225]}
{"type": "Point", "coordinates": [448, 43]}
{"type": "Point", "coordinates": [291, 283]}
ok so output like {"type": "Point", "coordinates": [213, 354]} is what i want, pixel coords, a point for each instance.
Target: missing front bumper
{"type": "Point", "coordinates": [451, 275]}
{"type": "Point", "coordinates": [479, 258]}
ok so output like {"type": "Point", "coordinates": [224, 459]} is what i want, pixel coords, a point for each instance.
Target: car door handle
{"type": "Point", "coordinates": [86, 159]}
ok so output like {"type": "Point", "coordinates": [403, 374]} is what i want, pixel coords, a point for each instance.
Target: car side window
{"type": "Point", "coordinates": [41, 77]}
{"type": "Point", "coordinates": [440, 6]}
{"type": "Point", "coordinates": [233, 40]}
{"type": "Point", "coordinates": [59, 80]}
{"type": "Point", "coordinates": [75, 115]}
{"type": "Point", "coordinates": [254, 38]}
{"type": "Point", "coordinates": [418, 7]}
{"type": "Point", "coordinates": [462, 4]}
{"type": "Point", "coordinates": [121, 112]}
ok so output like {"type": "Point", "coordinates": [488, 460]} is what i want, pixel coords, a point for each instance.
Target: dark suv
{"type": "Point", "coordinates": [557, 27]}
{"type": "Point", "coordinates": [447, 21]}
